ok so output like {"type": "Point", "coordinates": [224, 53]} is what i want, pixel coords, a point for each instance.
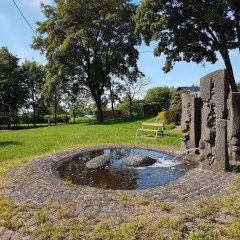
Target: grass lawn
{"type": "Point", "coordinates": [207, 219]}
{"type": "Point", "coordinates": [18, 147]}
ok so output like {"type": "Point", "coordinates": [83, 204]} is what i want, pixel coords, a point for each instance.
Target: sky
{"type": "Point", "coordinates": [17, 36]}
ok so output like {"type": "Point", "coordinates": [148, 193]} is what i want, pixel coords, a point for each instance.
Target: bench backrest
{"type": "Point", "coordinates": [151, 124]}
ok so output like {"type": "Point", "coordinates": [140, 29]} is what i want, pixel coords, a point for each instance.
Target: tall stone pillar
{"type": "Point", "coordinates": [213, 144]}
{"type": "Point", "coordinates": [234, 126]}
{"type": "Point", "coordinates": [191, 120]}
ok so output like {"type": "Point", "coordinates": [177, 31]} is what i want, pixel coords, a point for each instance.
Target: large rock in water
{"type": "Point", "coordinates": [139, 161]}
{"type": "Point", "coordinates": [98, 162]}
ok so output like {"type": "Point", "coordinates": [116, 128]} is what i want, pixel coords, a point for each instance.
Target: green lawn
{"type": "Point", "coordinates": [206, 219]}
{"type": "Point", "coordinates": [18, 147]}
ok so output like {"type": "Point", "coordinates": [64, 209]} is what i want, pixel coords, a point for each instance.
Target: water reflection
{"type": "Point", "coordinates": [119, 176]}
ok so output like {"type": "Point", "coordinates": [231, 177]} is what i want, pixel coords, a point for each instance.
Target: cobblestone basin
{"type": "Point", "coordinates": [39, 183]}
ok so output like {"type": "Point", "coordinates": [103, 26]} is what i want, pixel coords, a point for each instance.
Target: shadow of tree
{"type": "Point", "coordinates": [113, 121]}
{"type": "Point", "coordinates": [7, 143]}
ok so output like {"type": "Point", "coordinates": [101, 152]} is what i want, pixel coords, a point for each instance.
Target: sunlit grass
{"type": "Point", "coordinates": [19, 147]}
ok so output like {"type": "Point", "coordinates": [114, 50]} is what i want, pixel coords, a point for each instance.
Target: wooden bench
{"type": "Point", "coordinates": [159, 127]}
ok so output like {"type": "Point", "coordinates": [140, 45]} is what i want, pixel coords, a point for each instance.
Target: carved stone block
{"type": "Point", "coordinates": [213, 144]}
{"type": "Point", "coordinates": [234, 126]}
{"type": "Point", "coordinates": [191, 120]}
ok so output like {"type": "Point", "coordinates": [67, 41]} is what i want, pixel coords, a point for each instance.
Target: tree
{"type": "Point", "coordinates": [13, 91]}
{"type": "Point", "coordinates": [158, 95]}
{"type": "Point", "coordinates": [76, 98]}
{"type": "Point", "coordinates": [115, 90]}
{"type": "Point", "coordinates": [88, 40]}
{"type": "Point", "coordinates": [33, 74]}
{"type": "Point", "coordinates": [191, 30]}
{"type": "Point", "coordinates": [136, 106]}
{"type": "Point", "coordinates": [134, 86]}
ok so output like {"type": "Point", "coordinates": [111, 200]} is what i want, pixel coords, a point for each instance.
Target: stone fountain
{"type": "Point", "coordinates": [211, 122]}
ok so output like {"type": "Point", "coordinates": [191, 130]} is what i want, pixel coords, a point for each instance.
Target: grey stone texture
{"type": "Point", "coordinates": [219, 133]}
{"type": "Point", "coordinates": [234, 126]}
{"type": "Point", "coordinates": [139, 161]}
{"type": "Point", "coordinates": [191, 120]}
{"type": "Point", "coordinates": [98, 162]}
{"type": "Point", "coordinates": [38, 183]}
{"type": "Point", "coordinates": [213, 144]}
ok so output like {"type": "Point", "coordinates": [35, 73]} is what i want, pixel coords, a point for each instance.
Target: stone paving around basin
{"type": "Point", "coordinates": [38, 183]}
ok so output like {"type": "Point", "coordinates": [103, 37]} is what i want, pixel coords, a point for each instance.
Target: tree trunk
{"type": "Point", "coordinates": [97, 97]}
{"type": "Point", "coordinates": [33, 105]}
{"type": "Point", "coordinates": [55, 108]}
{"type": "Point", "coordinates": [74, 117]}
{"type": "Point", "coordinates": [228, 64]}
{"type": "Point", "coordinates": [112, 105]}
{"type": "Point", "coordinates": [34, 114]}
{"type": "Point", "coordinates": [99, 109]}
{"type": "Point", "coordinates": [130, 107]}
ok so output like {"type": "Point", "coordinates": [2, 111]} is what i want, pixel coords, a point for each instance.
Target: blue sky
{"type": "Point", "coordinates": [17, 36]}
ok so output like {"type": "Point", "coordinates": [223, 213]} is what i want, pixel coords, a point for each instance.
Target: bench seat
{"type": "Point", "coordinates": [159, 128]}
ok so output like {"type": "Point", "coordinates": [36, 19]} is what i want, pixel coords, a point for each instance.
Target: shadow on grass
{"type": "Point", "coordinates": [7, 143]}
{"type": "Point", "coordinates": [113, 121]}
{"type": "Point", "coordinates": [24, 127]}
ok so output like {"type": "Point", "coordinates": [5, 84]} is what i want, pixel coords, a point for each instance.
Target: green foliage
{"type": "Point", "coordinates": [60, 118]}
{"type": "Point", "coordinates": [136, 107]}
{"type": "Point", "coordinates": [158, 95]}
{"type": "Point", "coordinates": [13, 91]}
{"type": "Point", "coordinates": [89, 48]}
{"type": "Point", "coordinates": [33, 74]}
{"type": "Point", "coordinates": [173, 115]}
{"type": "Point", "coordinates": [213, 25]}
{"type": "Point", "coordinates": [169, 126]}
{"type": "Point", "coordinates": [161, 117]}
{"type": "Point", "coordinates": [176, 100]}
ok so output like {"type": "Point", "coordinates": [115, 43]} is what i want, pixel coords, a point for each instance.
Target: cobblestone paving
{"type": "Point", "coordinates": [38, 183]}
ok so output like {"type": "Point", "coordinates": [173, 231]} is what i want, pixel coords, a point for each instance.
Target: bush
{"type": "Point", "coordinates": [174, 115]}
{"type": "Point", "coordinates": [161, 117]}
{"type": "Point", "coordinates": [169, 126]}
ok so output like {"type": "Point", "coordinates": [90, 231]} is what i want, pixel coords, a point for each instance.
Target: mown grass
{"type": "Point", "coordinates": [205, 220]}
{"type": "Point", "coordinates": [19, 147]}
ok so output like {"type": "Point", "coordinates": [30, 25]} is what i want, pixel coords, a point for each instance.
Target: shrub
{"type": "Point", "coordinates": [161, 117]}
{"type": "Point", "coordinates": [169, 126]}
{"type": "Point", "coordinates": [174, 115]}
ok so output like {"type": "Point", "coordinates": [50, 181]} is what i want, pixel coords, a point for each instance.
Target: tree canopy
{"type": "Point", "coordinates": [88, 40]}
{"type": "Point", "coordinates": [33, 74]}
{"type": "Point", "coordinates": [191, 30]}
{"type": "Point", "coordinates": [13, 91]}
{"type": "Point", "coordinates": [158, 95]}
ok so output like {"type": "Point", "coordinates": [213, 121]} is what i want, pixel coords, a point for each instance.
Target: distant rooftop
{"type": "Point", "coordinates": [191, 89]}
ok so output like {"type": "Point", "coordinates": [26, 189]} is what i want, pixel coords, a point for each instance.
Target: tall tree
{"type": "Point", "coordinates": [158, 95]}
{"type": "Point", "coordinates": [89, 40]}
{"type": "Point", "coordinates": [191, 30]}
{"type": "Point", "coordinates": [33, 74]}
{"type": "Point", "coordinates": [13, 91]}
{"type": "Point", "coordinates": [134, 86]}
{"type": "Point", "coordinates": [115, 89]}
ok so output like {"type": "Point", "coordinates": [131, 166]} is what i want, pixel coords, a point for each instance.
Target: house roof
{"type": "Point", "coordinates": [191, 89]}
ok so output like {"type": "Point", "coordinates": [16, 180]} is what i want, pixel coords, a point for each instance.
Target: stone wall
{"type": "Point", "coordinates": [211, 121]}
